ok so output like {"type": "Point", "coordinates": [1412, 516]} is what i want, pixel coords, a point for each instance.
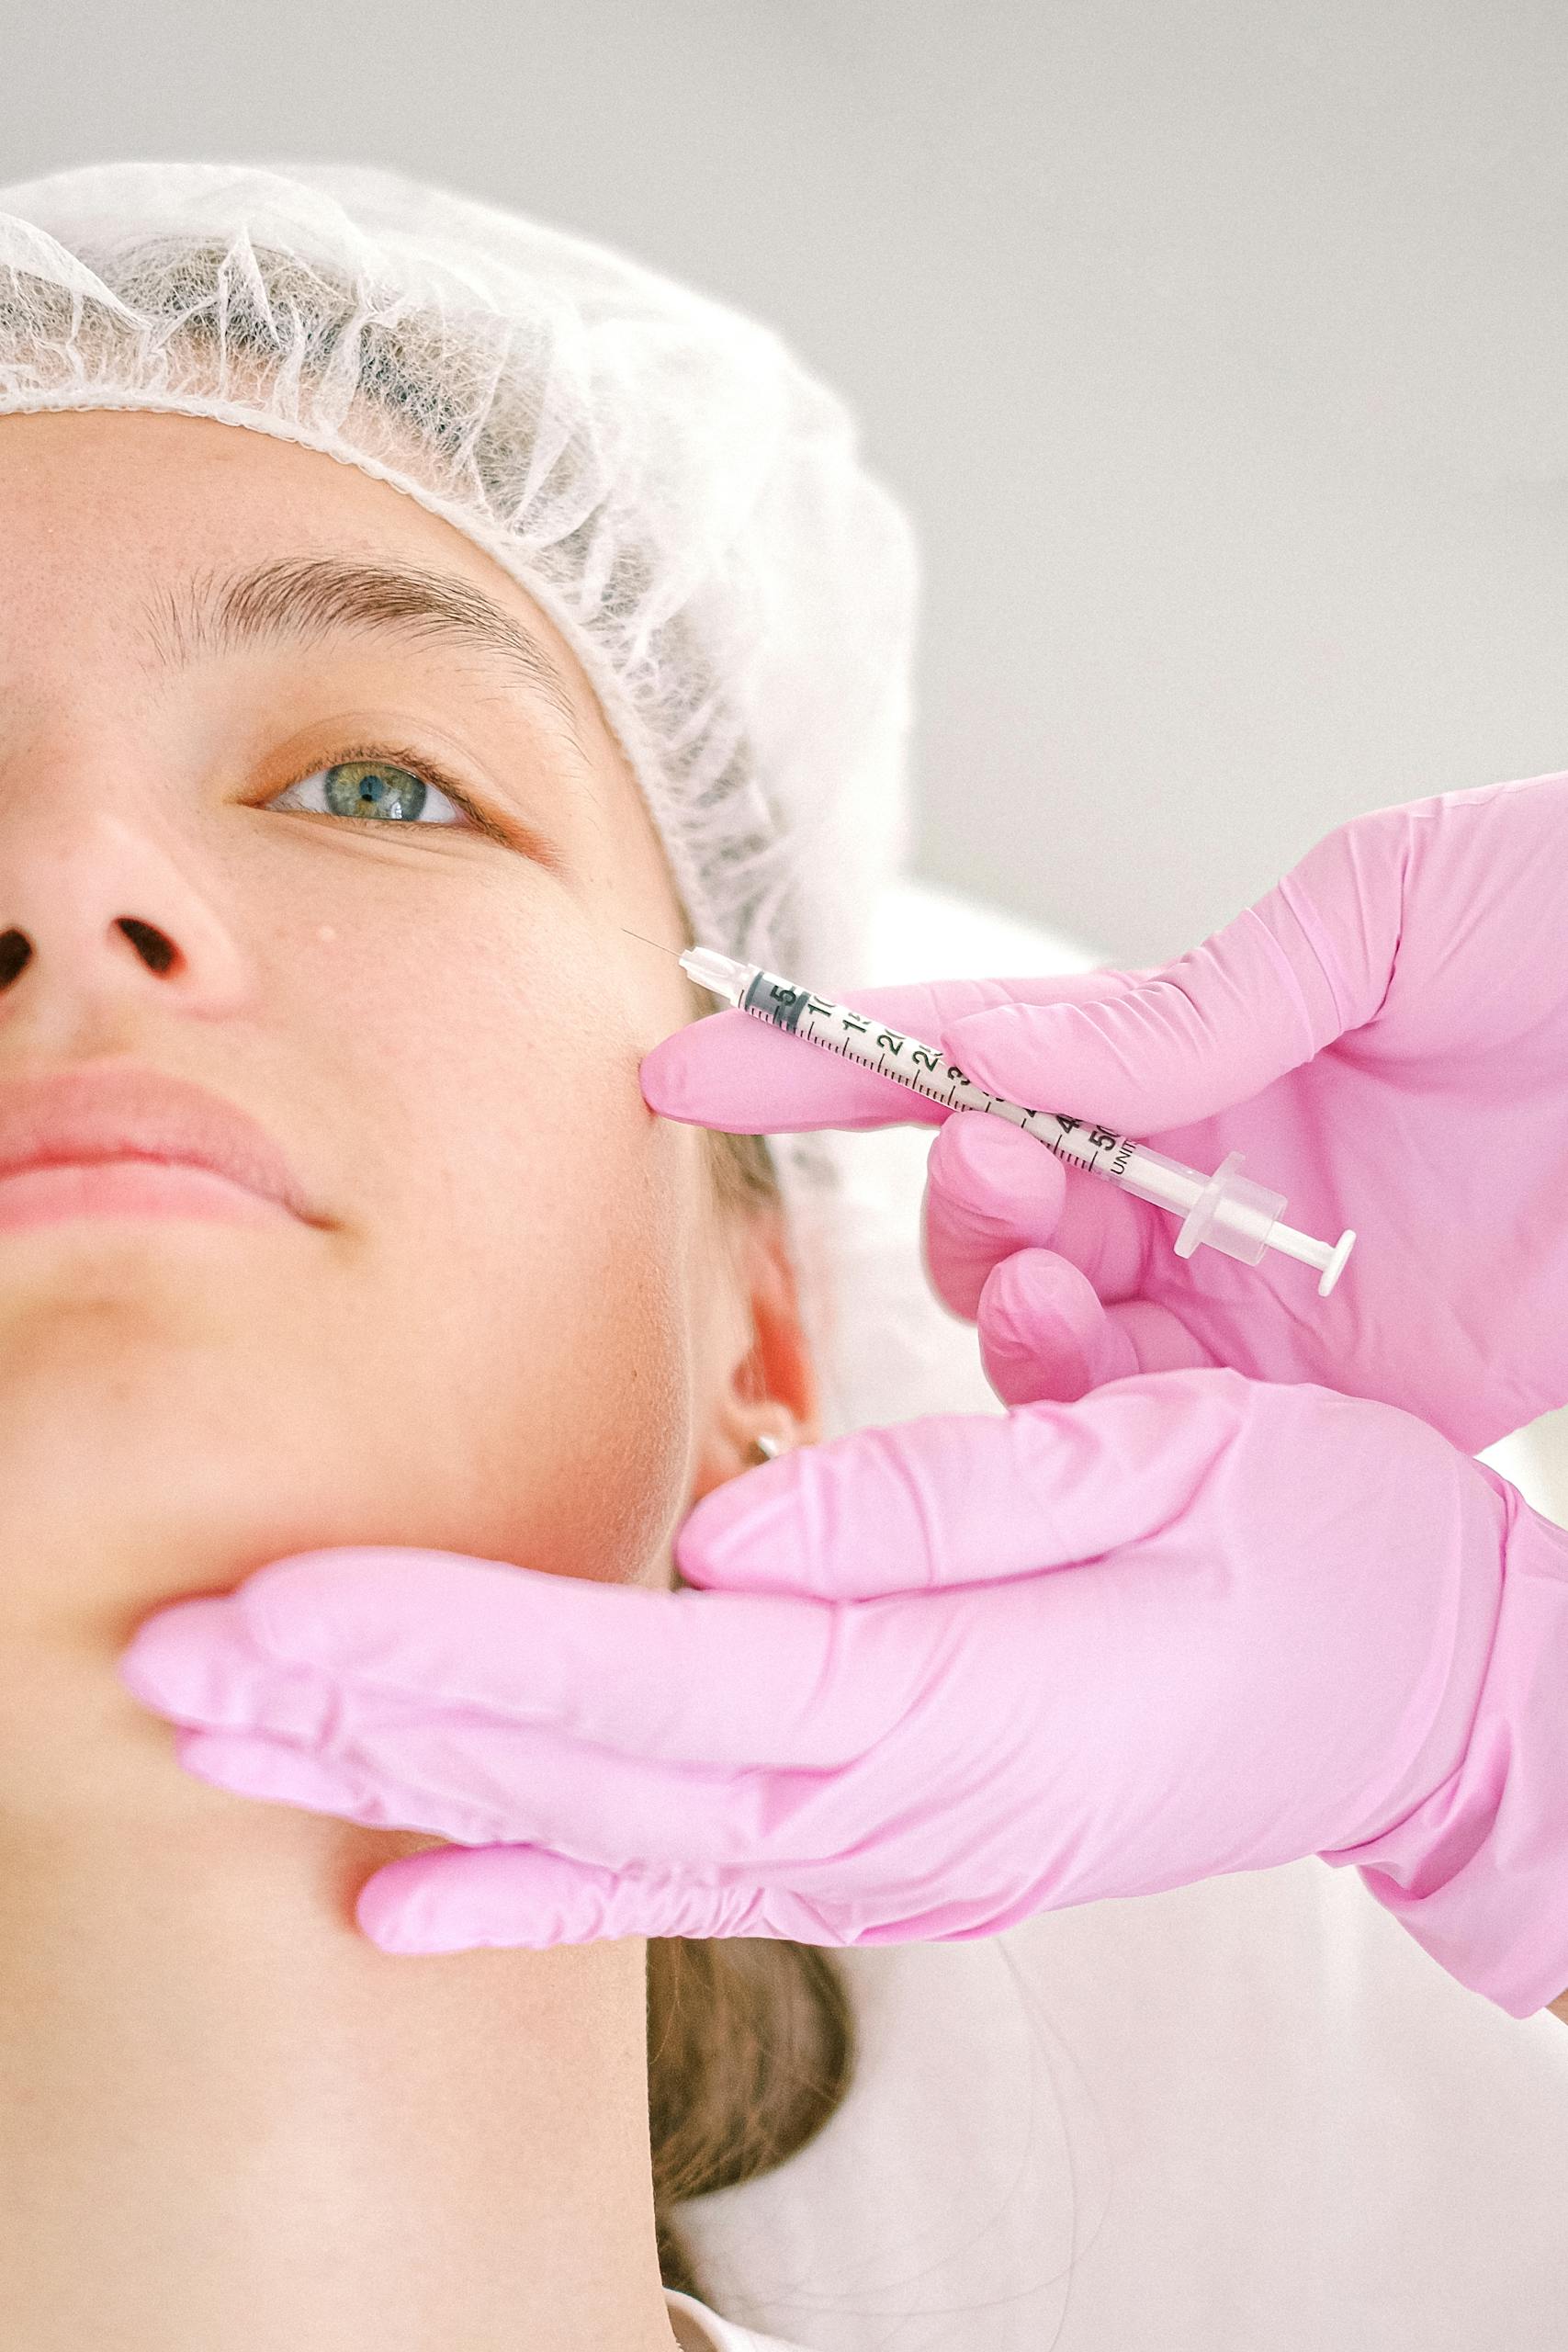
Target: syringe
{"type": "Point", "coordinates": [1226, 1210]}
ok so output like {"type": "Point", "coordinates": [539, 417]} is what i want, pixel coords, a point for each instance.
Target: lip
{"type": "Point", "coordinates": [98, 1113]}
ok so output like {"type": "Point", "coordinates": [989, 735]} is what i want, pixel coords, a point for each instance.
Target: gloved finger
{"type": "Point", "coordinates": [603, 1811]}
{"type": "Point", "coordinates": [1044, 1333]}
{"type": "Point", "coordinates": [1211, 1030]}
{"type": "Point", "coordinates": [954, 1498]}
{"type": "Point", "coordinates": [277, 1772]}
{"type": "Point", "coordinates": [523, 1898]}
{"type": "Point", "coordinates": [425, 1667]}
{"type": "Point", "coordinates": [743, 1075]}
{"type": "Point", "coordinates": [990, 1190]}
{"type": "Point", "coordinates": [197, 1662]}
{"type": "Point", "coordinates": [607, 1806]}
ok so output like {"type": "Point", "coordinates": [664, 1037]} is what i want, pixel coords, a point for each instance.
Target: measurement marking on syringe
{"type": "Point", "coordinates": [1227, 1211]}
{"type": "Point", "coordinates": [920, 1085]}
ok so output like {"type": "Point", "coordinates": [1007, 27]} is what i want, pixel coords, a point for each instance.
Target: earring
{"type": "Point", "coordinates": [766, 1448]}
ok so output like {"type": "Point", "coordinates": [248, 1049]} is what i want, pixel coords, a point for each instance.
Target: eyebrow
{"type": "Point", "coordinates": [304, 599]}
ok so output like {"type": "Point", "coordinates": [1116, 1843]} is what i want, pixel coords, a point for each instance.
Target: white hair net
{"type": "Point", "coordinates": [658, 472]}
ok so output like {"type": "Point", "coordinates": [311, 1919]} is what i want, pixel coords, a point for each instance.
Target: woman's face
{"type": "Point", "coordinates": [495, 1327]}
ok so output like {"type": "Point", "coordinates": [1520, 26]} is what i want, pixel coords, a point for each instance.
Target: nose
{"type": "Point", "coordinates": [98, 917]}
{"type": "Point", "coordinates": [156, 949]}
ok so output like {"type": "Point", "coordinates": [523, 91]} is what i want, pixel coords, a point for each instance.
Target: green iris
{"type": "Point", "coordinates": [367, 788]}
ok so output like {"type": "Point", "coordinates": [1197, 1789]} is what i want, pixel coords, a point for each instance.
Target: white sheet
{"type": "Point", "coordinates": [698, 2329]}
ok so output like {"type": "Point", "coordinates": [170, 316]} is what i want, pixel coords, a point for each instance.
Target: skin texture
{"type": "Point", "coordinates": [518, 1330]}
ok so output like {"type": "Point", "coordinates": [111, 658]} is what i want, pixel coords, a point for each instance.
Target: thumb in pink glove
{"type": "Point", "coordinates": [963, 1670]}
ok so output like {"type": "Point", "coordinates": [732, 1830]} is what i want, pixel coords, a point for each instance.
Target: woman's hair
{"type": "Point", "coordinates": [750, 2050]}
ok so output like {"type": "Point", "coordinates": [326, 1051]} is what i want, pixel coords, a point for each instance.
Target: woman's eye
{"type": "Point", "coordinates": [374, 788]}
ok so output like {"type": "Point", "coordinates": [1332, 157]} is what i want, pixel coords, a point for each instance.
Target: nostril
{"type": "Point", "coordinates": [156, 950]}
{"type": "Point", "coordinates": [16, 948]}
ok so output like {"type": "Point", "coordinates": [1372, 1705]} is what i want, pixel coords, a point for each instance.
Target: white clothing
{"type": "Point", "coordinates": [715, 2334]}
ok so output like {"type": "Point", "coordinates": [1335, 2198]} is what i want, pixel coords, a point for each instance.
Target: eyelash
{"type": "Point", "coordinates": [418, 763]}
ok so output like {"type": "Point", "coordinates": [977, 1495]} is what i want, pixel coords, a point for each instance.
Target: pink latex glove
{"type": "Point", "coordinates": [1384, 1037]}
{"type": "Point", "coordinates": [962, 1670]}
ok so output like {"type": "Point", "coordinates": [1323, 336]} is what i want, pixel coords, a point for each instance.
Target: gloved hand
{"type": "Point", "coordinates": [949, 1674]}
{"type": "Point", "coordinates": [1384, 1038]}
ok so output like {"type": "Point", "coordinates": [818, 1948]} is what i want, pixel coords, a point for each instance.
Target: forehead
{"type": "Point", "coordinates": [158, 515]}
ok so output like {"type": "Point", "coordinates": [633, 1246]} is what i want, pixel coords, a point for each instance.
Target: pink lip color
{"type": "Point", "coordinates": [128, 1188]}
{"type": "Point", "coordinates": [117, 1138]}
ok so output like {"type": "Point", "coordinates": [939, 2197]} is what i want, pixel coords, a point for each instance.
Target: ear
{"type": "Point", "coordinates": [770, 1387]}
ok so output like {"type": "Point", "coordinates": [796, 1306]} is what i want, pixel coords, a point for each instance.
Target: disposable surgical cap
{"type": "Point", "coordinates": [659, 473]}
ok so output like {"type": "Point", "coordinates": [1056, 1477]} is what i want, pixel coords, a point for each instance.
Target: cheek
{"type": "Point", "coordinates": [528, 1246]}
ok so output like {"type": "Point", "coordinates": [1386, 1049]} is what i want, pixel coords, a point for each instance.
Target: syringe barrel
{"type": "Point", "coordinates": [1226, 1210]}
{"type": "Point", "coordinates": [862, 1038]}
{"type": "Point", "coordinates": [1164, 1181]}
